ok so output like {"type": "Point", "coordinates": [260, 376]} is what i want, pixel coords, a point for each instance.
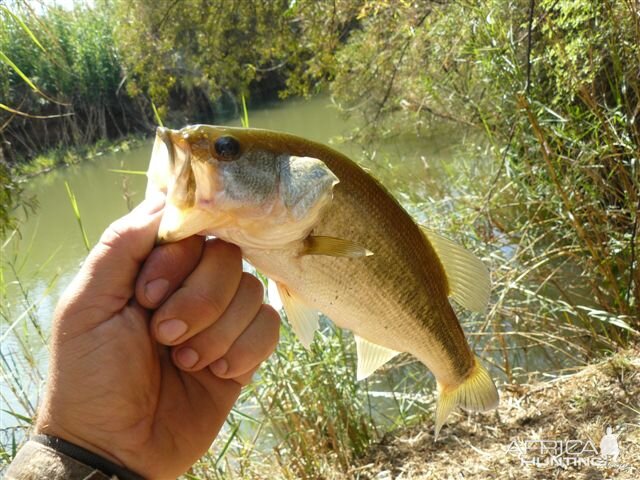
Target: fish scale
{"type": "Point", "coordinates": [386, 304]}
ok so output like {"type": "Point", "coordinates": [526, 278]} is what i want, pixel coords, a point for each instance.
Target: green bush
{"type": "Point", "coordinates": [555, 90]}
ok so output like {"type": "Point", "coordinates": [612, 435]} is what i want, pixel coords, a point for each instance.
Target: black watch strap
{"type": "Point", "coordinates": [86, 457]}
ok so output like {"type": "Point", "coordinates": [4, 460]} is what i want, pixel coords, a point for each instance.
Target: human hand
{"type": "Point", "coordinates": [119, 384]}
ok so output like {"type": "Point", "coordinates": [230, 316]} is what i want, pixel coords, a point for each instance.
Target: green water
{"type": "Point", "coordinates": [40, 262]}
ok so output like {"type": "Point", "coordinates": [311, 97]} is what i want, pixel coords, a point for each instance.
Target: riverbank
{"type": "Point", "coordinates": [73, 155]}
{"type": "Point", "coordinates": [573, 411]}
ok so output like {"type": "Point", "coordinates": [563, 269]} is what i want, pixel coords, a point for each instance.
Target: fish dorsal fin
{"type": "Point", "coordinates": [467, 276]}
{"type": "Point", "coordinates": [371, 356]}
{"type": "Point", "coordinates": [303, 320]}
{"type": "Point", "coordinates": [335, 247]}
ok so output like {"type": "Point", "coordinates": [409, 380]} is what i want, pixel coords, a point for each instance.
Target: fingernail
{"type": "Point", "coordinates": [187, 357]}
{"type": "Point", "coordinates": [219, 367]}
{"type": "Point", "coordinates": [170, 330]}
{"type": "Point", "coordinates": [156, 290]}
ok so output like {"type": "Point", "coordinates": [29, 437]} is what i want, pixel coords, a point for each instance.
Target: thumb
{"type": "Point", "coordinates": [106, 281]}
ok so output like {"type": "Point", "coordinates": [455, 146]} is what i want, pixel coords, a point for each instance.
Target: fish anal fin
{"type": "Point", "coordinates": [371, 356]}
{"type": "Point", "coordinates": [477, 393]}
{"type": "Point", "coordinates": [303, 320]}
{"type": "Point", "coordinates": [468, 278]}
{"type": "Point", "coordinates": [335, 247]}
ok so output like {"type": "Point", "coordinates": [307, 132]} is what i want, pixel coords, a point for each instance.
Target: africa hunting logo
{"type": "Point", "coordinates": [568, 453]}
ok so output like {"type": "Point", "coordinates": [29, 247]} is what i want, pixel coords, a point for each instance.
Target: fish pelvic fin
{"type": "Point", "coordinates": [477, 393]}
{"type": "Point", "coordinates": [303, 319]}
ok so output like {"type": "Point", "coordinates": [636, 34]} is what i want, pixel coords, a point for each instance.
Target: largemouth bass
{"type": "Point", "coordinates": [334, 241]}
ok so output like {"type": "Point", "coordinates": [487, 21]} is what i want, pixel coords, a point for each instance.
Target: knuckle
{"type": "Point", "coordinates": [167, 258]}
{"type": "Point", "coordinates": [270, 314]}
{"type": "Point", "coordinates": [210, 305]}
{"type": "Point", "coordinates": [171, 261]}
{"type": "Point", "coordinates": [252, 286]}
{"type": "Point", "coordinates": [115, 234]}
{"type": "Point", "coordinates": [272, 321]}
{"type": "Point", "coordinates": [220, 344]}
{"type": "Point", "coordinates": [211, 349]}
{"type": "Point", "coordinates": [121, 235]}
{"type": "Point", "coordinates": [241, 356]}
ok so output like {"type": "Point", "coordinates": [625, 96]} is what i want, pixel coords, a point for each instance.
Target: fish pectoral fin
{"type": "Point", "coordinates": [334, 247]}
{"type": "Point", "coordinates": [371, 356]}
{"type": "Point", "coordinates": [468, 278]}
{"type": "Point", "coordinates": [303, 320]}
{"type": "Point", "coordinates": [477, 393]}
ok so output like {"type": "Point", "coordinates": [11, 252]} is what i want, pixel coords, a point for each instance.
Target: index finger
{"type": "Point", "coordinates": [166, 267]}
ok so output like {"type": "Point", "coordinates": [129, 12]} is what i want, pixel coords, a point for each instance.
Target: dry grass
{"type": "Point", "coordinates": [573, 407]}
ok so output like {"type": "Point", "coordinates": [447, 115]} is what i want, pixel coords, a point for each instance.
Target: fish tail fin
{"type": "Point", "coordinates": [477, 393]}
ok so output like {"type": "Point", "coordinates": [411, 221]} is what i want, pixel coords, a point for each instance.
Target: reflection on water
{"type": "Point", "coordinates": [49, 250]}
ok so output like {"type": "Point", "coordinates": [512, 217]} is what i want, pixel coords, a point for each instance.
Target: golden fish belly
{"type": "Point", "coordinates": [395, 298]}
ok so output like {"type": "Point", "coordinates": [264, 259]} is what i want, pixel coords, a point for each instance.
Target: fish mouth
{"type": "Point", "coordinates": [263, 197]}
{"type": "Point", "coordinates": [177, 224]}
{"type": "Point", "coordinates": [164, 135]}
{"type": "Point", "coordinates": [171, 172]}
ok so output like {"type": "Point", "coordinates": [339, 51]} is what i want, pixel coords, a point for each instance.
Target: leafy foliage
{"type": "Point", "coordinates": [219, 47]}
{"type": "Point", "coordinates": [554, 87]}
{"type": "Point", "coordinates": [66, 83]}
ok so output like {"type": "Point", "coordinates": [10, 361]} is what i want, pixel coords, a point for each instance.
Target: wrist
{"type": "Point", "coordinates": [86, 457]}
{"type": "Point", "coordinates": [50, 429]}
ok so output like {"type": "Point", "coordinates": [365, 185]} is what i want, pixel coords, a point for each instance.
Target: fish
{"type": "Point", "coordinates": [334, 241]}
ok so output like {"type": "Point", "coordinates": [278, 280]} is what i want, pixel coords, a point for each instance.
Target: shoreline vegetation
{"type": "Point", "coordinates": [51, 159]}
{"type": "Point", "coordinates": [553, 90]}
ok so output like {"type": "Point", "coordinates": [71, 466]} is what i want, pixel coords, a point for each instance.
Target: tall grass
{"type": "Point", "coordinates": [63, 84]}
{"type": "Point", "coordinates": [76, 213]}
{"type": "Point", "coordinates": [306, 417]}
{"type": "Point", "coordinates": [23, 344]}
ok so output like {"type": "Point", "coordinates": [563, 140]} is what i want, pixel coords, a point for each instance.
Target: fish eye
{"type": "Point", "coordinates": [227, 147]}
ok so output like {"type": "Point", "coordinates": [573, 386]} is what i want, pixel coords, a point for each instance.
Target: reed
{"type": "Point", "coordinates": [63, 84]}
{"type": "Point", "coordinates": [23, 344]}
{"type": "Point", "coordinates": [76, 214]}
